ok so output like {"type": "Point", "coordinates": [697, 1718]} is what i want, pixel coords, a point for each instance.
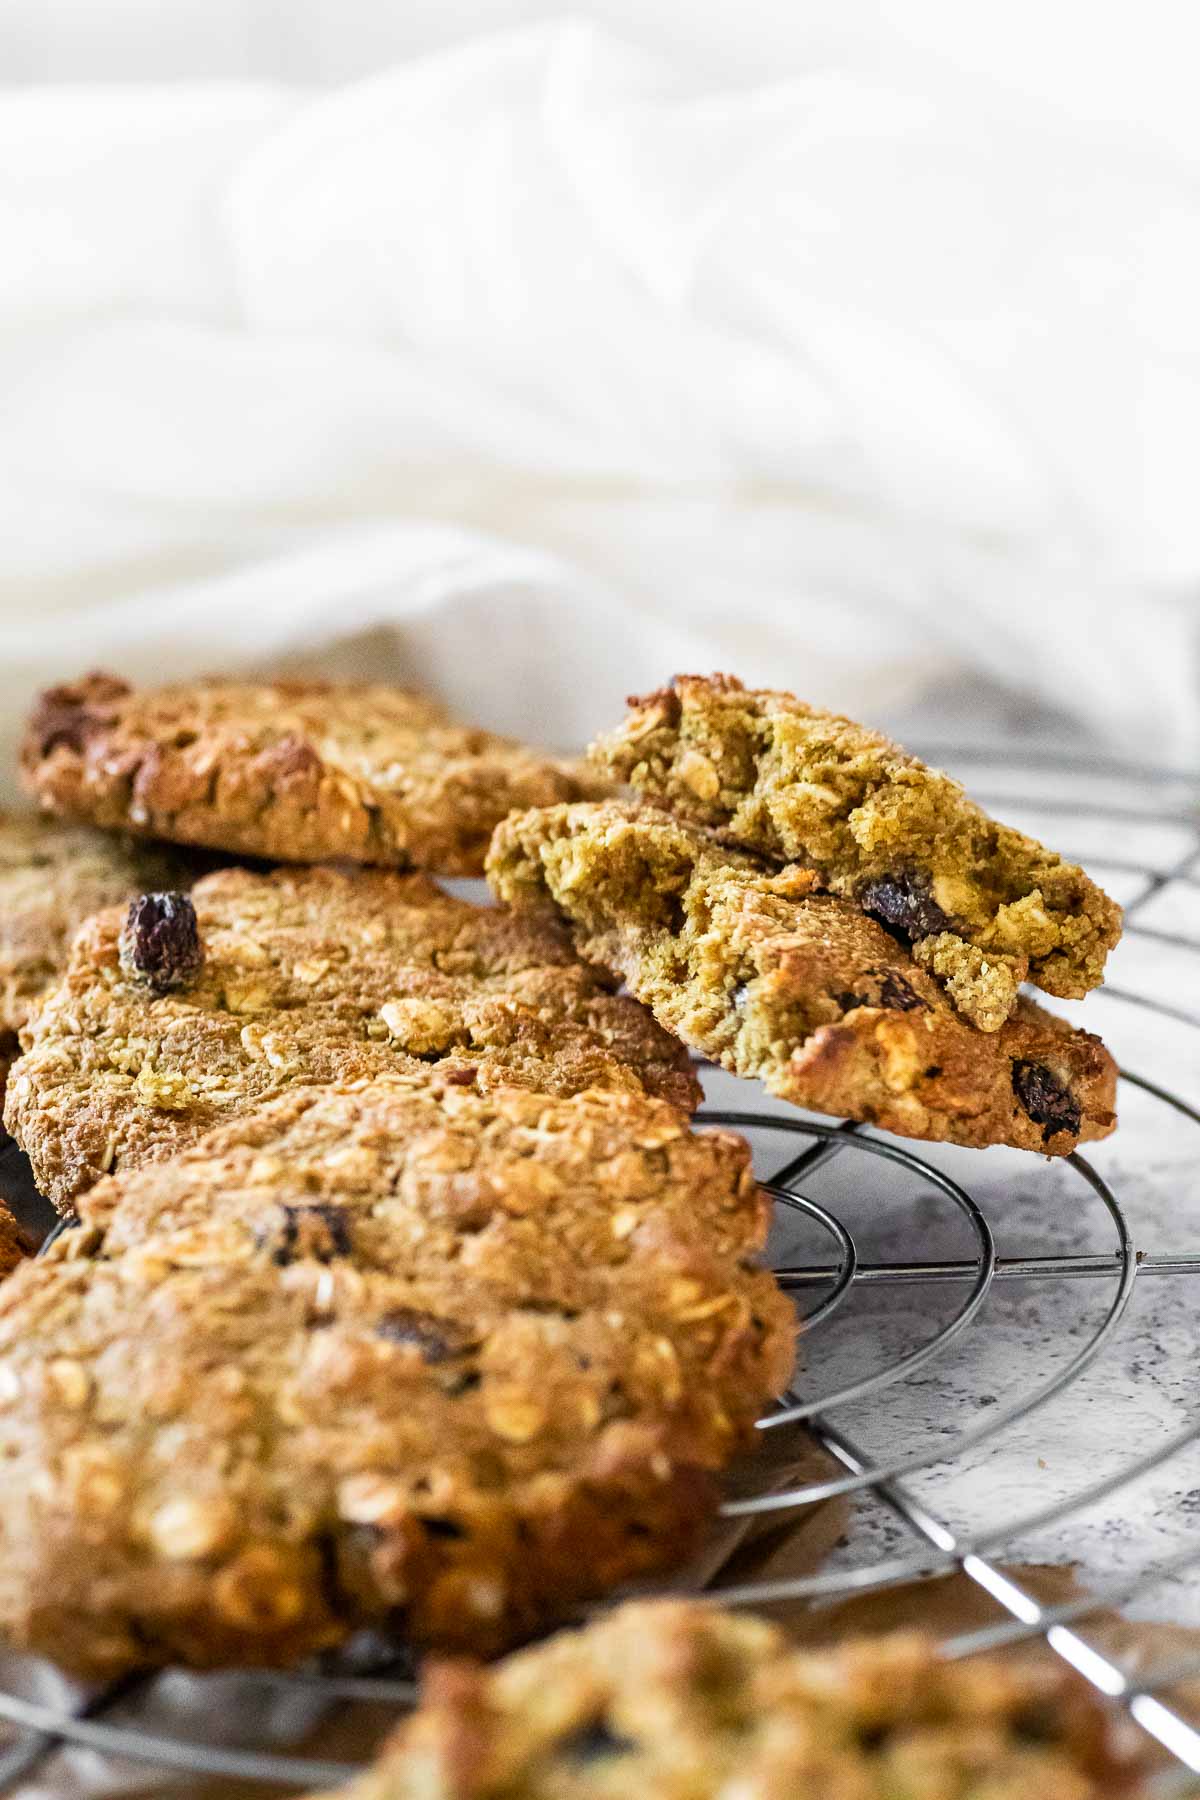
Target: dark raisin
{"type": "Point", "coordinates": [872, 1737]}
{"type": "Point", "coordinates": [1038, 1723]}
{"type": "Point", "coordinates": [434, 1338]}
{"type": "Point", "coordinates": [595, 1743]}
{"type": "Point", "coordinates": [160, 942]}
{"type": "Point", "coordinates": [893, 993]}
{"type": "Point", "coordinates": [896, 993]}
{"type": "Point", "coordinates": [1045, 1099]}
{"type": "Point", "coordinates": [443, 1528]}
{"type": "Point", "coordinates": [292, 760]}
{"type": "Point", "coordinates": [904, 904]}
{"type": "Point", "coordinates": [461, 1382]}
{"type": "Point", "coordinates": [59, 723]}
{"type": "Point", "coordinates": [548, 1307]}
{"type": "Point", "coordinates": [459, 1077]}
{"type": "Point", "coordinates": [71, 715]}
{"type": "Point", "coordinates": [322, 1232]}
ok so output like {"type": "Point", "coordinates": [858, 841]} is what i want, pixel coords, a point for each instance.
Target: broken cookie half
{"type": "Point", "coordinates": [768, 976]}
{"type": "Point", "coordinates": [983, 907]}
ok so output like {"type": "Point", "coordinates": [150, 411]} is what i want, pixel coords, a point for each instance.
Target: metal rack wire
{"type": "Point", "coordinates": [822, 1286]}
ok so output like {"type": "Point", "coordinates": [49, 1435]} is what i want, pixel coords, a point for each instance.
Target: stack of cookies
{"type": "Point", "coordinates": [401, 1292]}
{"type": "Point", "coordinates": [801, 901]}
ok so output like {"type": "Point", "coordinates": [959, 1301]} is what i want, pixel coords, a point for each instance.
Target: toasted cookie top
{"type": "Point", "coordinates": [297, 771]}
{"type": "Point", "coordinates": [309, 976]}
{"type": "Point", "coordinates": [406, 1166]}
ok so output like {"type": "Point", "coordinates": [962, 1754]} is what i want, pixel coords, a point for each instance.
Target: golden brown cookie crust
{"type": "Point", "coordinates": [453, 1417]}
{"type": "Point", "coordinates": [404, 1166]}
{"type": "Point", "coordinates": [753, 966]}
{"type": "Point", "coordinates": [298, 771]}
{"type": "Point", "coordinates": [683, 1702]}
{"type": "Point", "coordinates": [984, 906]}
{"type": "Point", "coordinates": [13, 1246]}
{"type": "Point", "coordinates": [314, 976]}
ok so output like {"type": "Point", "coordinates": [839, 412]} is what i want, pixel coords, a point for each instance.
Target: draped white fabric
{"type": "Point", "coordinates": [538, 367]}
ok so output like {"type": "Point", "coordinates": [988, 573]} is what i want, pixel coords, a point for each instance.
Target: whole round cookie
{"type": "Point", "coordinates": [451, 1374]}
{"type": "Point", "coordinates": [304, 976]}
{"type": "Point", "coordinates": [298, 771]}
{"type": "Point", "coordinates": [684, 1702]}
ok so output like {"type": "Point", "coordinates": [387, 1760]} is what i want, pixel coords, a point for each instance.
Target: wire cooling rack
{"type": "Point", "coordinates": [944, 1373]}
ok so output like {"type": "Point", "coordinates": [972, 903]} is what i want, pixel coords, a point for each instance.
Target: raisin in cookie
{"type": "Point", "coordinates": [52, 877]}
{"type": "Point", "coordinates": [750, 964]}
{"type": "Point", "coordinates": [300, 977]}
{"type": "Point", "coordinates": [682, 1702]}
{"type": "Point", "coordinates": [983, 906]}
{"type": "Point", "coordinates": [510, 1391]}
{"type": "Point", "coordinates": [290, 770]}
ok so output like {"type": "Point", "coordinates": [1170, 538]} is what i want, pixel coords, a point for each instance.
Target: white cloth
{"type": "Point", "coordinates": [537, 368]}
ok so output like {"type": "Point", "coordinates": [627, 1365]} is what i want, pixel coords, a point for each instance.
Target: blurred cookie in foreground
{"type": "Point", "coordinates": [983, 907]}
{"type": "Point", "coordinates": [53, 877]}
{"type": "Point", "coordinates": [299, 771]}
{"type": "Point", "coordinates": [176, 1015]}
{"type": "Point", "coordinates": [447, 1387]}
{"type": "Point", "coordinates": [683, 1702]}
{"type": "Point", "coordinates": [769, 977]}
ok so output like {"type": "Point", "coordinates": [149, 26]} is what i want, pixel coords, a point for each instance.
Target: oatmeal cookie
{"type": "Point", "coordinates": [682, 1702]}
{"type": "Point", "coordinates": [452, 1422]}
{"type": "Point", "coordinates": [750, 964]}
{"type": "Point", "coordinates": [433, 1174]}
{"type": "Point", "coordinates": [983, 906]}
{"type": "Point", "coordinates": [52, 877]}
{"type": "Point", "coordinates": [297, 771]}
{"type": "Point", "coordinates": [301, 977]}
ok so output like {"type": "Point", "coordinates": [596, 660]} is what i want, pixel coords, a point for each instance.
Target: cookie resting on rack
{"type": "Point", "coordinates": [984, 907]}
{"type": "Point", "coordinates": [291, 770]}
{"type": "Point", "coordinates": [52, 876]}
{"type": "Point", "coordinates": [682, 1702]}
{"type": "Point", "coordinates": [769, 977]}
{"type": "Point", "coordinates": [452, 1419]}
{"type": "Point", "coordinates": [403, 1166]}
{"type": "Point", "coordinates": [175, 1016]}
